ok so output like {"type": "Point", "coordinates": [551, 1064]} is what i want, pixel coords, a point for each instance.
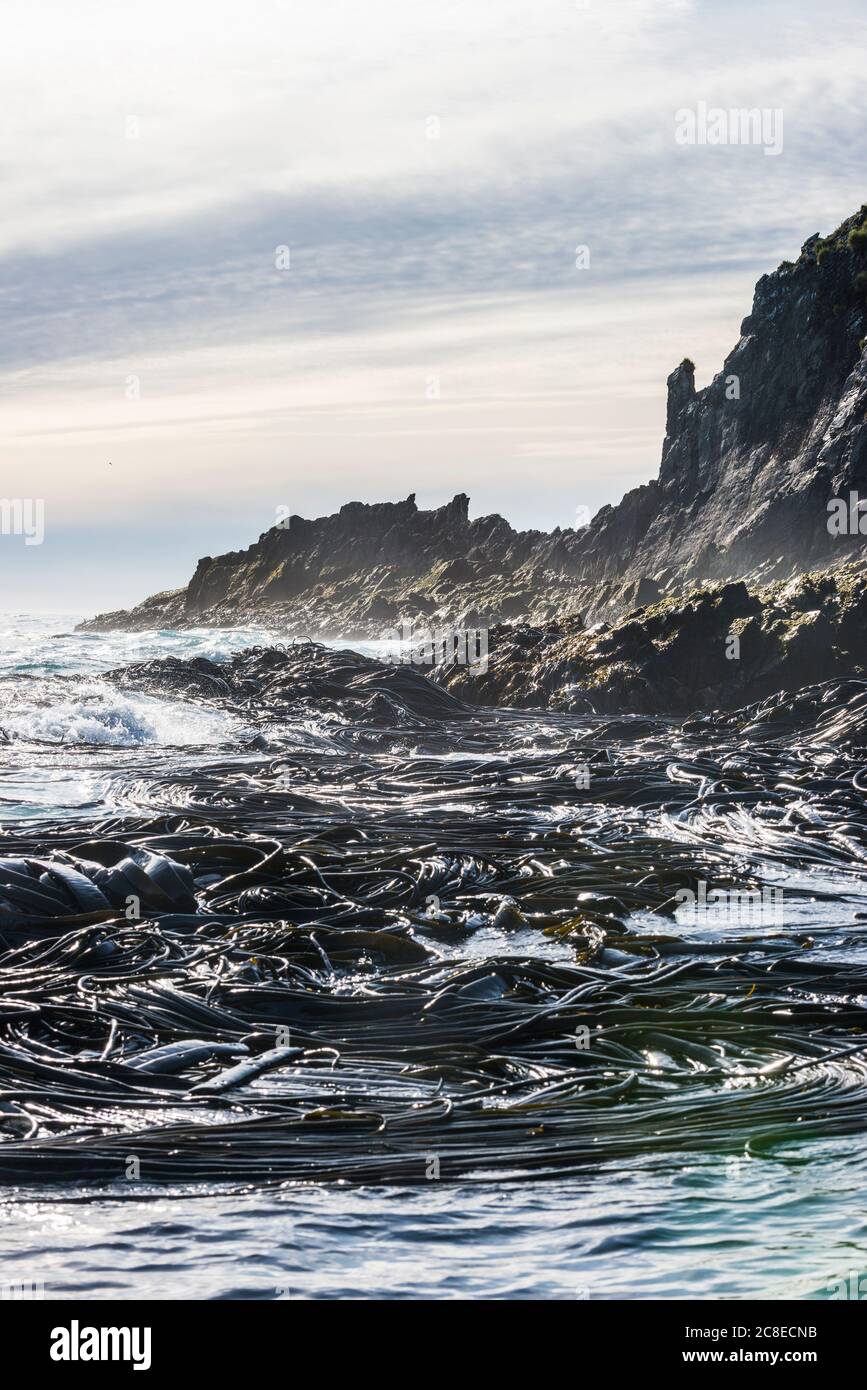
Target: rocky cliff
{"type": "Point", "coordinates": [749, 465]}
{"type": "Point", "coordinates": [357, 573]}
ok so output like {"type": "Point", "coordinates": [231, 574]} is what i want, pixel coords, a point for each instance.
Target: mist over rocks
{"type": "Point", "coordinates": [749, 464]}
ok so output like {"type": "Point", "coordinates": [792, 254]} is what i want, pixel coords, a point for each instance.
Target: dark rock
{"type": "Point", "coordinates": [718, 647]}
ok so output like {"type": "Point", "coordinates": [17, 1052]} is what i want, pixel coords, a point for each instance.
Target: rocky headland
{"type": "Point", "coordinates": [634, 610]}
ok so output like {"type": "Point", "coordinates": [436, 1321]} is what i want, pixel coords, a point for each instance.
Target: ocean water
{"type": "Point", "coordinates": [78, 741]}
{"type": "Point", "coordinates": [688, 1228]}
{"type": "Point", "coordinates": [675, 1225]}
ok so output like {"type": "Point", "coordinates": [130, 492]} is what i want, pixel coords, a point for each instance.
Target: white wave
{"type": "Point", "coordinates": [45, 711]}
{"type": "Point", "coordinates": [46, 644]}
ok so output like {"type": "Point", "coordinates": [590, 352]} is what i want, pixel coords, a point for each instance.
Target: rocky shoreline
{"type": "Point", "coordinates": [636, 609]}
{"type": "Point", "coordinates": [719, 647]}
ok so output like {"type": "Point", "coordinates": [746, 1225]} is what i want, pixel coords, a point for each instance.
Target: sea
{"type": "Point", "coordinates": [675, 1225]}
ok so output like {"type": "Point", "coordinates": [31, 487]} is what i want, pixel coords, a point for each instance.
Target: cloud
{"type": "Point", "coordinates": [433, 170]}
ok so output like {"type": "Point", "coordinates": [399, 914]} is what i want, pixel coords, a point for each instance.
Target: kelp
{"type": "Point", "coordinates": [340, 964]}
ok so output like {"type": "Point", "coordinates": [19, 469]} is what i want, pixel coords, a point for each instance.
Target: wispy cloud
{"type": "Point", "coordinates": [432, 170]}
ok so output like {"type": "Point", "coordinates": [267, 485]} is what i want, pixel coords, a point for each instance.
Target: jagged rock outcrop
{"type": "Point", "coordinates": [749, 464]}
{"type": "Point", "coordinates": [361, 571]}
{"type": "Point", "coordinates": [720, 647]}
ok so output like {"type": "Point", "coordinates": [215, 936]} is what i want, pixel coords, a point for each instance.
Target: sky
{"type": "Point", "coordinates": [281, 255]}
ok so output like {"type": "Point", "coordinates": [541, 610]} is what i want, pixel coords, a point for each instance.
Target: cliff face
{"type": "Point", "coordinates": [748, 467]}
{"type": "Point", "coordinates": [750, 462]}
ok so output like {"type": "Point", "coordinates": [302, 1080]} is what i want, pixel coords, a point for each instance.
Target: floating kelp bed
{"type": "Point", "coordinates": [268, 970]}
